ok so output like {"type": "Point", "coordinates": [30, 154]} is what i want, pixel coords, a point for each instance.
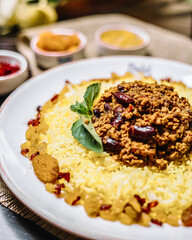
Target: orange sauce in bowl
{"type": "Point", "coordinates": [58, 43]}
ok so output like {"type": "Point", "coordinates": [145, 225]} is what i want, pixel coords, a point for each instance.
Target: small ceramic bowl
{"type": "Point", "coordinates": [11, 81]}
{"type": "Point", "coordinates": [104, 48]}
{"type": "Point", "coordinates": [47, 59]}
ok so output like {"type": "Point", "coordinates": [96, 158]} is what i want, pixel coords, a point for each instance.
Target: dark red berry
{"type": "Point", "coordinates": [123, 98]}
{"type": "Point", "coordinates": [141, 133]}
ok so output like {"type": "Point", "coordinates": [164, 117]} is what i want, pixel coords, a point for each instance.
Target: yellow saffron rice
{"type": "Point", "coordinates": [99, 175]}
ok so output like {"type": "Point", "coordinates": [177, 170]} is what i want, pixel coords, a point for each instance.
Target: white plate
{"type": "Point", "coordinates": [18, 174]}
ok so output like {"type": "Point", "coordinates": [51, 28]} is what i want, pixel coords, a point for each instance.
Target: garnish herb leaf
{"type": "Point", "coordinates": [83, 129]}
{"type": "Point", "coordinates": [79, 108]}
{"type": "Point", "coordinates": [90, 95]}
{"type": "Point", "coordinates": [87, 136]}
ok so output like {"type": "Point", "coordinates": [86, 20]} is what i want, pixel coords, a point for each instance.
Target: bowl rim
{"type": "Point", "coordinates": [22, 63]}
{"type": "Point", "coordinates": [123, 26]}
{"type": "Point", "coordinates": [59, 31]}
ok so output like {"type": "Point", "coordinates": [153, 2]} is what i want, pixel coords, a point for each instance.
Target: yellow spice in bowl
{"type": "Point", "coordinates": [121, 38]}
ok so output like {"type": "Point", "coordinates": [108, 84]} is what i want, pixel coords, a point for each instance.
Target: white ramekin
{"type": "Point", "coordinates": [48, 59]}
{"type": "Point", "coordinates": [11, 81]}
{"type": "Point", "coordinates": [108, 49]}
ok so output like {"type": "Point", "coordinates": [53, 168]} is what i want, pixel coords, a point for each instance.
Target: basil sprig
{"type": "Point", "coordinates": [83, 130]}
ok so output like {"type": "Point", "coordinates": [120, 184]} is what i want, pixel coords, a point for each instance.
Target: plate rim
{"type": "Point", "coordinates": [85, 60]}
{"type": "Point", "coordinates": [3, 172]}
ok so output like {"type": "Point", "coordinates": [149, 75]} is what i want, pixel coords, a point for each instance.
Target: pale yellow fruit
{"type": "Point", "coordinates": [28, 15]}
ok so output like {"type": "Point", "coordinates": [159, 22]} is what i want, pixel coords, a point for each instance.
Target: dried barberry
{"type": "Point", "coordinates": [54, 97]}
{"type": "Point", "coordinates": [24, 151]}
{"type": "Point", "coordinates": [157, 222]}
{"type": "Point", "coordinates": [7, 68]}
{"type": "Point", "coordinates": [33, 155]}
{"type": "Point", "coordinates": [33, 122]}
{"type": "Point", "coordinates": [105, 206]}
{"type": "Point", "coordinates": [150, 205]}
{"type": "Point", "coordinates": [187, 217]}
{"type": "Point", "coordinates": [38, 116]}
{"type": "Point", "coordinates": [140, 200]}
{"type": "Point", "coordinates": [58, 188]}
{"type": "Point", "coordinates": [76, 200]}
{"type": "Point", "coordinates": [39, 108]}
{"type": "Point", "coordinates": [66, 176]}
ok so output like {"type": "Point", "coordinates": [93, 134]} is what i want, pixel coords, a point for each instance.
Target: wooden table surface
{"type": "Point", "coordinates": [173, 15]}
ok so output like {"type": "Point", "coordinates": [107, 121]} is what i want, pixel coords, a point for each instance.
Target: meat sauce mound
{"type": "Point", "coordinates": [144, 124]}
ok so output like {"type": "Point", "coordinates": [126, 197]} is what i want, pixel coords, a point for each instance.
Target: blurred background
{"type": "Point", "coordinates": [17, 14]}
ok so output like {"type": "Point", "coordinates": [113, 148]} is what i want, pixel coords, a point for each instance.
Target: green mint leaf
{"type": "Point", "coordinates": [86, 135]}
{"type": "Point", "coordinates": [90, 95]}
{"type": "Point", "coordinates": [82, 129]}
{"type": "Point", "coordinates": [79, 108]}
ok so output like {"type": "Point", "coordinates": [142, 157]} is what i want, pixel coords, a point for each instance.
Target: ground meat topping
{"type": "Point", "coordinates": [144, 124]}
